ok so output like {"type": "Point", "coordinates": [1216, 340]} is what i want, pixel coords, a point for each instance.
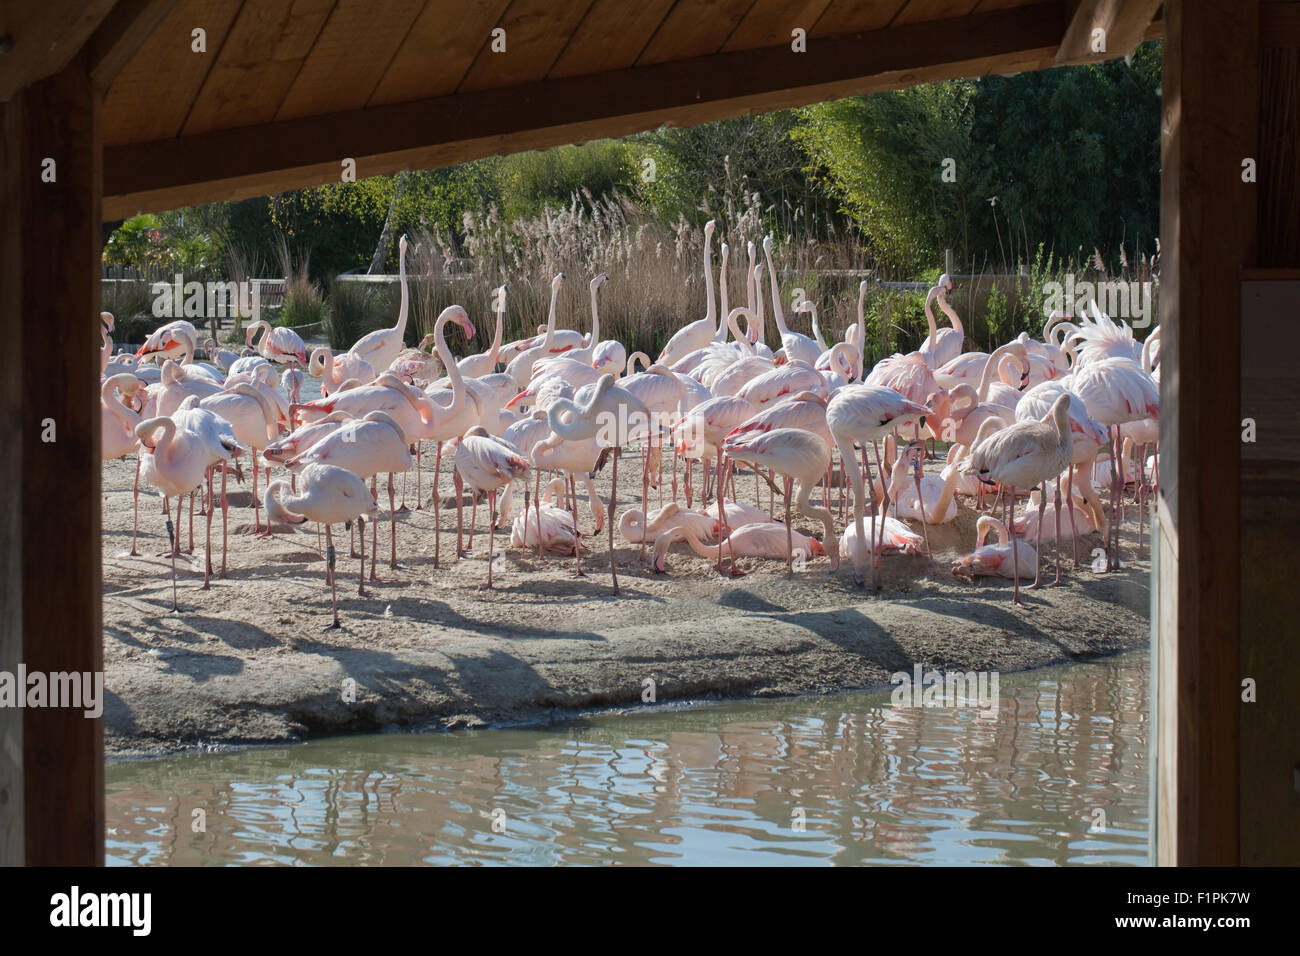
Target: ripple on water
{"type": "Point", "coordinates": [841, 780]}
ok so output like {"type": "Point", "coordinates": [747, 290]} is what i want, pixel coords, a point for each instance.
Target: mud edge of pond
{"type": "Point", "coordinates": [198, 700]}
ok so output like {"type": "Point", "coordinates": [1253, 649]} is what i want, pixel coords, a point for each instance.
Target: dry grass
{"type": "Point", "coordinates": [656, 273]}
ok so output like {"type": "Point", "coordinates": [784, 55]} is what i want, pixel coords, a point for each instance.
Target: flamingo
{"type": "Point", "coordinates": [192, 441]}
{"type": "Point", "coordinates": [417, 365]}
{"type": "Point", "coordinates": [696, 335]}
{"type": "Point", "coordinates": [1115, 391]}
{"type": "Point", "coordinates": [554, 530]}
{"type": "Point", "coordinates": [797, 346]}
{"type": "Point", "coordinates": [334, 370]}
{"type": "Point", "coordinates": [381, 346]}
{"type": "Point", "coordinates": [453, 413]}
{"type": "Point", "coordinates": [1000, 560]}
{"type": "Point", "coordinates": [1025, 454]}
{"type": "Point", "coordinates": [255, 424]}
{"type": "Point", "coordinates": [485, 363]}
{"type": "Point", "coordinates": [171, 341]}
{"type": "Point", "coordinates": [367, 447]}
{"type": "Point", "coordinates": [487, 463]}
{"type": "Point", "coordinates": [1088, 437]}
{"type": "Point", "coordinates": [221, 358]}
{"type": "Point", "coordinates": [934, 500]}
{"type": "Point", "coordinates": [330, 495]}
{"type": "Point", "coordinates": [118, 437]}
{"type": "Point", "coordinates": [520, 368]}
{"type": "Point", "coordinates": [941, 345]}
{"type": "Point", "coordinates": [604, 411]}
{"type": "Point", "coordinates": [797, 456]}
{"type": "Point", "coordinates": [281, 345]}
{"type": "Point", "coordinates": [106, 341]}
{"type": "Point", "coordinates": [762, 540]}
{"type": "Point", "coordinates": [858, 415]}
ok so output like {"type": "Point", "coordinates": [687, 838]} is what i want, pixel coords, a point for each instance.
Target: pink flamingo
{"type": "Point", "coordinates": [487, 463]}
{"type": "Point", "coordinates": [797, 456]}
{"type": "Point", "coordinates": [119, 438]}
{"type": "Point", "coordinates": [367, 447]}
{"type": "Point", "coordinates": [1023, 455]}
{"type": "Point", "coordinates": [334, 370]}
{"type": "Point", "coordinates": [192, 441]}
{"type": "Point", "coordinates": [1116, 391]}
{"type": "Point", "coordinates": [554, 530]}
{"type": "Point", "coordinates": [941, 345]}
{"type": "Point", "coordinates": [999, 560]}
{"type": "Point", "coordinates": [380, 347]}
{"type": "Point", "coordinates": [862, 414]}
{"type": "Point", "coordinates": [255, 424]}
{"type": "Point", "coordinates": [281, 345]}
{"type": "Point", "coordinates": [696, 335]}
{"type": "Point", "coordinates": [764, 540]}
{"type": "Point", "coordinates": [330, 495]}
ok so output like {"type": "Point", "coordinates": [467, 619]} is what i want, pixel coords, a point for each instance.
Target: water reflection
{"type": "Point", "coordinates": [724, 784]}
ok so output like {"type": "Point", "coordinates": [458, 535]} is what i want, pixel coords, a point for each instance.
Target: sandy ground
{"type": "Point", "coordinates": [248, 661]}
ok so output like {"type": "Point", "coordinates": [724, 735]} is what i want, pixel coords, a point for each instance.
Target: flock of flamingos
{"type": "Point", "coordinates": [1062, 415]}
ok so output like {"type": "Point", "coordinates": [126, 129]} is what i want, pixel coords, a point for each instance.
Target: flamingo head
{"type": "Point", "coordinates": [599, 281]}
{"type": "Point", "coordinates": [945, 282]}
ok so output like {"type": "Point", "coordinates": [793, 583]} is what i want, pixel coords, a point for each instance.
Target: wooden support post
{"type": "Point", "coordinates": [50, 489]}
{"type": "Point", "coordinates": [1207, 231]}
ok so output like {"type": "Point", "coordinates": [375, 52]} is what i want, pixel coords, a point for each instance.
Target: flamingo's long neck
{"type": "Point", "coordinates": [990, 366]}
{"type": "Point", "coordinates": [749, 281]}
{"type": "Point", "coordinates": [496, 336]}
{"type": "Point", "coordinates": [850, 459]}
{"type": "Point", "coordinates": [550, 321]}
{"type": "Point", "coordinates": [862, 332]}
{"type": "Point", "coordinates": [929, 315]}
{"type": "Point", "coordinates": [951, 313]}
{"type": "Point", "coordinates": [721, 334]}
{"type": "Point", "coordinates": [945, 495]}
{"type": "Point", "coordinates": [733, 323]}
{"type": "Point", "coordinates": [778, 314]}
{"type": "Point", "coordinates": [817, 332]}
{"type": "Point", "coordinates": [449, 360]}
{"type": "Point", "coordinates": [711, 310]}
{"type": "Point", "coordinates": [595, 320]}
{"type": "Point", "coordinates": [403, 309]}
{"type": "Point", "coordinates": [817, 512]}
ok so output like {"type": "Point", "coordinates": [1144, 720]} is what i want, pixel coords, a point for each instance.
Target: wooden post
{"type": "Point", "coordinates": [1207, 230]}
{"type": "Point", "coordinates": [11, 474]}
{"type": "Point", "coordinates": [51, 267]}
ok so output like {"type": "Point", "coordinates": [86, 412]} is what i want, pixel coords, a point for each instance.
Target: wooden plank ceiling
{"type": "Point", "coordinates": [270, 66]}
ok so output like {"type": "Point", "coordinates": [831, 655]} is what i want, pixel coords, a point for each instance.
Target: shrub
{"type": "Point", "coordinates": [355, 308]}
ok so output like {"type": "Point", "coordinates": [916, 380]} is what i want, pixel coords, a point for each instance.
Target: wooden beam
{"type": "Point", "coordinates": [1123, 24]}
{"type": "Point", "coordinates": [1207, 228]}
{"type": "Point", "coordinates": [58, 272]}
{"type": "Point", "coordinates": [121, 35]}
{"type": "Point", "coordinates": [38, 39]}
{"type": "Point", "coordinates": [457, 128]}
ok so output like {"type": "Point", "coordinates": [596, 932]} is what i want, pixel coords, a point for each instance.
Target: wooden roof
{"type": "Point", "coordinates": [287, 89]}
